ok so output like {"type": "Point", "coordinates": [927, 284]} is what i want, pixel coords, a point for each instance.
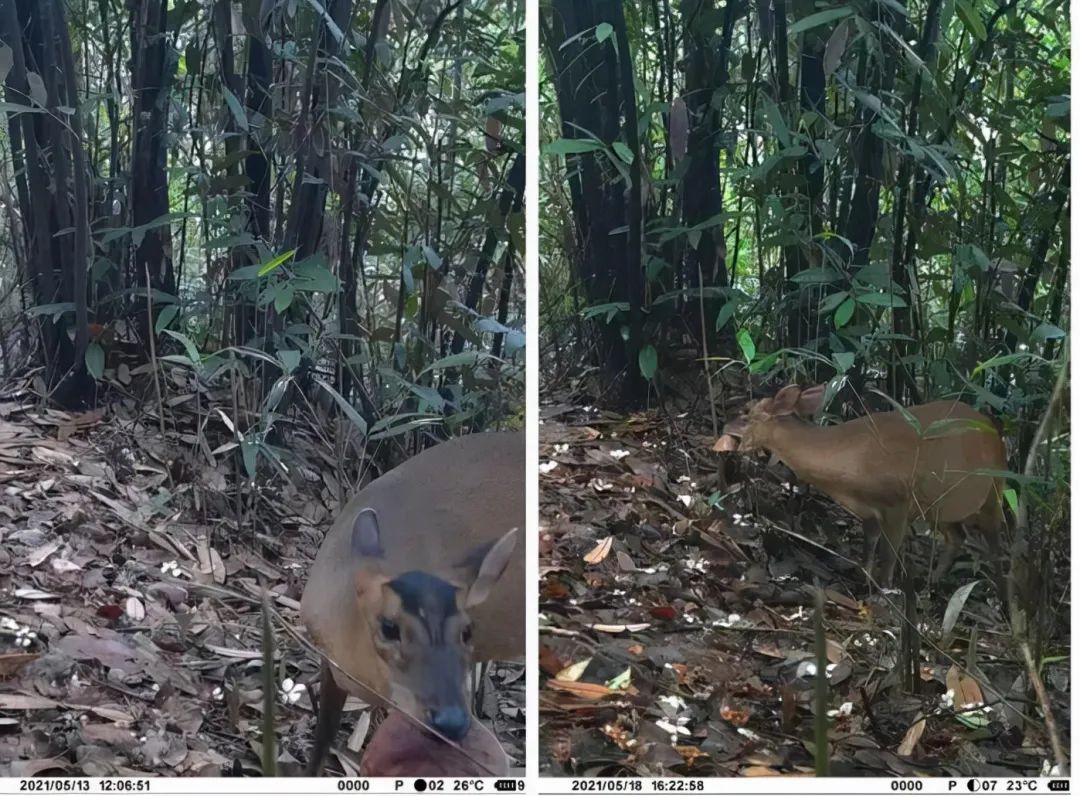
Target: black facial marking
{"type": "Point", "coordinates": [428, 598]}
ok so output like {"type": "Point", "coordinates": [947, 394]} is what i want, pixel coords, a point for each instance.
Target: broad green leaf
{"type": "Point", "coordinates": [765, 363]}
{"type": "Point", "coordinates": [165, 317]}
{"type": "Point", "coordinates": [572, 146]}
{"type": "Point", "coordinates": [284, 298]}
{"type": "Point", "coordinates": [831, 302]}
{"type": "Point", "coordinates": [1046, 331]}
{"type": "Point", "coordinates": [971, 19]}
{"type": "Point", "coordinates": [746, 344]}
{"type": "Point", "coordinates": [834, 49]}
{"type": "Point", "coordinates": [725, 314]}
{"type": "Point", "coordinates": [314, 277]}
{"type": "Point", "coordinates": [844, 360]}
{"type": "Point", "coordinates": [623, 152]}
{"type": "Point", "coordinates": [237, 109]}
{"type": "Point", "coordinates": [647, 361]}
{"type": "Point", "coordinates": [776, 120]}
{"type": "Point", "coordinates": [95, 360]}
{"type": "Point", "coordinates": [55, 310]}
{"type": "Point", "coordinates": [844, 313]}
{"type": "Point", "coordinates": [815, 276]}
{"type": "Point", "coordinates": [194, 356]}
{"type": "Point", "coordinates": [249, 452]}
{"type": "Point", "coordinates": [603, 31]}
{"type": "Point", "coordinates": [290, 359]}
{"type": "Point", "coordinates": [820, 18]}
{"type": "Point", "coordinates": [880, 299]}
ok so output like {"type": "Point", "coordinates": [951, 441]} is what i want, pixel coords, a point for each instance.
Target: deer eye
{"type": "Point", "coordinates": [466, 635]}
{"type": "Point", "coordinates": [389, 630]}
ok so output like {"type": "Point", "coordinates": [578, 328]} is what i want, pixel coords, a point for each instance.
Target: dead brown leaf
{"type": "Point", "coordinates": [600, 552]}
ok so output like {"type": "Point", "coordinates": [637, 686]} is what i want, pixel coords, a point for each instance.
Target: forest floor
{"type": "Point", "coordinates": [677, 623]}
{"type": "Point", "coordinates": [130, 631]}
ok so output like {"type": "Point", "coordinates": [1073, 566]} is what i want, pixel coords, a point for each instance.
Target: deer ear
{"type": "Point", "coordinates": [366, 538]}
{"type": "Point", "coordinates": [785, 401]}
{"type": "Point", "coordinates": [484, 565]}
{"type": "Point", "coordinates": [811, 400]}
{"type": "Point", "coordinates": [736, 426]}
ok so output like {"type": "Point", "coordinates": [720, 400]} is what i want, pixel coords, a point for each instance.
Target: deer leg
{"type": "Point", "coordinates": [954, 537]}
{"type": "Point", "coordinates": [331, 702]}
{"type": "Point", "coordinates": [894, 525]}
{"type": "Point", "coordinates": [871, 536]}
{"type": "Point", "coordinates": [991, 522]}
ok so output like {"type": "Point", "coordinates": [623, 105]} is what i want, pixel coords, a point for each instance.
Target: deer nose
{"type": "Point", "coordinates": [451, 722]}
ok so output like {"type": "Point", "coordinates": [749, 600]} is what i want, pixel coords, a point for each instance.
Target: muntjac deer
{"type": "Point", "coordinates": [887, 470]}
{"type": "Point", "coordinates": [409, 588]}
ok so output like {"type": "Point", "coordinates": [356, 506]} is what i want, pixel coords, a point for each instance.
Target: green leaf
{"type": "Point", "coordinates": [776, 120]}
{"type": "Point", "coordinates": [313, 277]}
{"type": "Point", "coordinates": [347, 408]}
{"type": "Point", "coordinates": [815, 276]}
{"type": "Point", "coordinates": [55, 310]}
{"type": "Point", "coordinates": [844, 313]}
{"type": "Point", "coordinates": [277, 262]}
{"type": "Point", "coordinates": [284, 298]}
{"type": "Point", "coordinates": [1004, 359]}
{"type": "Point", "coordinates": [290, 359]}
{"type": "Point", "coordinates": [192, 351]}
{"type": "Point", "coordinates": [236, 108]}
{"type": "Point", "coordinates": [1046, 331]}
{"type": "Point", "coordinates": [820, 18]}
{"type": "Point", "coordinates": [95, 360]}
{"type": "Point", "coordinates": [603, 32]}
{"type": "Point", "coordinates": [725, 314]}
{"type": "Point", "coordinates": [765, 363]}
{"type": "Point", "coordinates": [466, 359]}
{"type": "Point", "coordinates": [623, 152]}
{"type": "Point", "coordinates": [844, 360]}
{"type": "Point", "coordinates": [647, 361]}
{"type": "Point", "coordinates": [620, 681]}
{"type": "Point", "coordinates": [165, 317]}
{"type": "Point", "coordinates": [746, 344]}
{"type": "Point", "coordinates": [831, 302]}
{"type": "Point", "coordinates": [971, 19]}
{"type": "Point", "coordinates": [572, 146]}
{"type": "Point", "coordinates": [880, 299]}
{"type": "Point", "coordinates": [249, 452]}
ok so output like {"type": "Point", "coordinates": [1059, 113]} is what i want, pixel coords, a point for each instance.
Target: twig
{"type": "Point", "coordinates": [1048, 714]}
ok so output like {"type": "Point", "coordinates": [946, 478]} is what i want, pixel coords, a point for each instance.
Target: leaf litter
{"type": "Point", "coordinates": [676, 621]}
{"type": "Point", "coordinates": [130, 637]}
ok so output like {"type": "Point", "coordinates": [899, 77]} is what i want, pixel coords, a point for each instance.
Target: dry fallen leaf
{"type": "Point", "coordinates": [636, 628]}
{"type": "Point", "coordinates": [600, 552]}
{"type": "Point", "coordinates": [911, 738]}
{"type": "Point", "coordinates": [36, 557]}
{"type": "Point", "coordinates": [965, 690]}
{"type": "Point", "coordinates": [573, 672]}
{"type": "Point", "coordinates": [591, 691]}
